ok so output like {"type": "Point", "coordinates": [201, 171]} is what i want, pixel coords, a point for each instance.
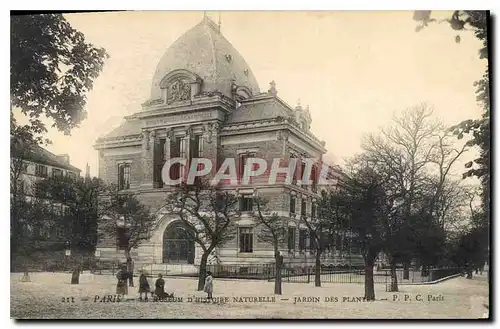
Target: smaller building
{"type": "Point", "coordinates": [40, 164]}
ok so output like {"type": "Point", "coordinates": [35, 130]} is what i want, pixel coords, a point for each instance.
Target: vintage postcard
{"type": "Point", "coordinates": [250, 165]}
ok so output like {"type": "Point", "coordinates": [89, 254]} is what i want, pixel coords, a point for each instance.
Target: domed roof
{"type": "Point", "coordinates": [204, 51]}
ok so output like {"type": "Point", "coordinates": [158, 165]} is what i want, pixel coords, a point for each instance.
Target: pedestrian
{"type": "Point", "coordinates": [209, 287]}
{"type": "Point", "coordinates": [160, 287]}
{"type": "Point", "coordinates": [143, 286]}
{"type": "Point", "coordinates": [122, 276]}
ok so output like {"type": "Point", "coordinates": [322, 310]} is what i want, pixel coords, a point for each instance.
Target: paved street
{"type": "Point", "coordinates": [43, 298]}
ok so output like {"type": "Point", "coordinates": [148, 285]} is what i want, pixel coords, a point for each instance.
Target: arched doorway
{"type": "Point", "coordinates": [178, 247]}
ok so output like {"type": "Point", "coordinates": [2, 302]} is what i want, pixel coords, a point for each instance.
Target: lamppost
{"type": "Point", "coordinates": [67, 254]}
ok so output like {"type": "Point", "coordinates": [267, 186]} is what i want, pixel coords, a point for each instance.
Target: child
{"type": "Point", "coordinates": [209, 285]}
{"type": "Point", "coordinates": [143, 286]}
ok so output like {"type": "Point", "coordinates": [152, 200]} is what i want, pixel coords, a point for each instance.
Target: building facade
{"type": "Point", "coordinates": [206, 103]}
{"type": "Point", "coordinates": [40, 164]}
{"type": "Point", "coordinates": [34, 165]}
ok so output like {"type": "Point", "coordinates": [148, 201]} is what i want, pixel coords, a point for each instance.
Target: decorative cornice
{"type": "Point", "coordinates": [275, 122]}
{"type": "Point", "coordinates": [203, 101]}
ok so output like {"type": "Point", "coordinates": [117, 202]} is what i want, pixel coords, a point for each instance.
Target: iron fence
{"type": "Point", "coordinates": [358, 275]}
{"type": "Point", "coordinates": [292, 273]}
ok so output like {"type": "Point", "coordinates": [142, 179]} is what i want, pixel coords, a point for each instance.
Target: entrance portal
{"type": "Point", "coordinates": [178, 247]}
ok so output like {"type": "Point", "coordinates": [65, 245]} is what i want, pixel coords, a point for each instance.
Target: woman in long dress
{"type": "Point", "coordinates": [160, 287]}
{"type": "Point", "coordinates": [121, 286]}
{"type": "Point", "coordinates": [209, 287]}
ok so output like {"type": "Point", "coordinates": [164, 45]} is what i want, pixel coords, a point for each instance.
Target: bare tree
{"type": "Point", "coordinates": [210, 212]}
{"type": "Point", "coordinates": [122, 211]}
{"type": "Point", "coordinates": [361, 197]}
{"type": "Point", "coordinates": [272, 229]}
{"type": "Point", "coordinates": [407, 154]}
{"type": "Point", "coordinates": [321, 226]}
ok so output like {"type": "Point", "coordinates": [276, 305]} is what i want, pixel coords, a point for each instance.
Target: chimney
{"type": "Point", "coordinates": [64, 158]}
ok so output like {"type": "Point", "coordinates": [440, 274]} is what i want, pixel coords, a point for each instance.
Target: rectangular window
{"type": "Point", "coordinates": [124, 176]}
{"type": "Point", "coordinates": [302, 172]}
{"type": "Point", "coordinates": [313, 242]}
{"type": "Point", "coordinates": [183, 155]}
{"type": "Point", "coordinates": [57, 173]}
{"type": "Point", "coordinates": [292, 204]}
{"type": "Point", "coordinates": [246, 239]}
{"type": "Point", "coordinates": [159, 161]}
{"type": "Point", "coordinates": [242, 162]}
{"type": "Point", "coordinates": [200, 145]}
{"type": "Point", "coordinates": [303, 207]}
{"type": "Point", "coordinates": [302, 239]}
{"type": "Point", "coordinates": [296, 172]}
{"type": "Point", "coordinates": [196, 151]}
{"type": "Point", "coordinates": [291, 238]}
{"type": "Point", "coordinates": [196, 147]}
{"type": "Point", "coordinates": [246, 203]}
{"type": "Point", "coordinates": [175, 149]}
{"type": "Point", "coordinates": [314, 179]}
{"type": "Point", "coordinates": [41, 170]}
{"type": "Point", "coordinates": [182, 147]}
{"type": "Point", "coordinates": [71, 174]}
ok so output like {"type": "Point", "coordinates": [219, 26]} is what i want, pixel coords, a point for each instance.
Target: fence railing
{"type": "Point", "coordinates": [289, 273]}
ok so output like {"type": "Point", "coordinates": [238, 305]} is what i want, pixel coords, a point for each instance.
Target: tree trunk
{"type": "Point", "coordinates": [394, 278]}
{"type": "Point", "coordinates": [406, 271]}
{"type": "Point", "coordinates": [317, 270]}
{"type": "Point", "coordinates": [130, 268]}
{"type": "Point", "coordinates": [369, 285]}
{"type": "Point", "coordinates": [278, 263]}
{"type": "Point", "coordinates": [203, 270]}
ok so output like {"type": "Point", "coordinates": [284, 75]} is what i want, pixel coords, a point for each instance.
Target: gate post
{"type": "Point", "coordinates": [308, 275]}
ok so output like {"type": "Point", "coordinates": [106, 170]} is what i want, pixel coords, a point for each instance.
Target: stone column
{"type": "Point", "coordinates": [166, 147]}
{"type": "Point", "coordinates": [147, 160]}
{"type": "Point", "coordinates": [187, 147]}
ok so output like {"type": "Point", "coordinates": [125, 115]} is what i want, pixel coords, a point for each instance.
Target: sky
{"type": "Point", "coordinates": [355, 69]}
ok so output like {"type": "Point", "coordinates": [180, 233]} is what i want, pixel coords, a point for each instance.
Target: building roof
{"type": "Point", "coordinates": [203, 50]}
{"type": "Point", "coordinates": [127, 128]}
{"type": "Point", "coordinates": [257, 111]}
{"type": "Point", "coordinates": [41, 156]}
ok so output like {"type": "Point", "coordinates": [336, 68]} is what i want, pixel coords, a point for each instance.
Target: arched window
{"type": "Point", "coordinates": [178, 245]}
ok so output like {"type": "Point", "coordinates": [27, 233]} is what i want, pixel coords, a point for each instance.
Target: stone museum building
{"type": "Point", "coordinates": [205, 102]}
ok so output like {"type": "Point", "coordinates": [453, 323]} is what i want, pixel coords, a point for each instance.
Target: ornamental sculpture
{"type": "Point", "coordinates": [179, 91]}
